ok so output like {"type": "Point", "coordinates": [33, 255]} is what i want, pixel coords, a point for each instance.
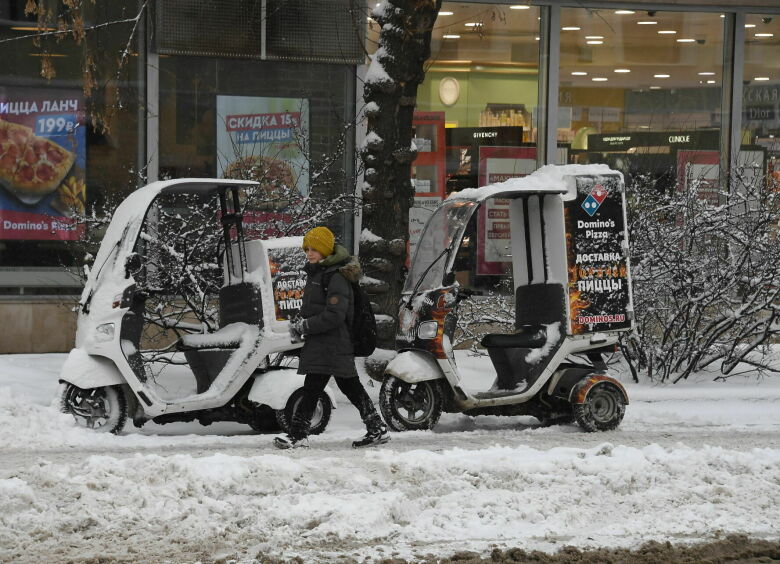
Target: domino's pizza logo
{"type": "Point", "coordinates": [594, 200]}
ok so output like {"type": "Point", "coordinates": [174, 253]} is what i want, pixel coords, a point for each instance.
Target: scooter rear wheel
{"type": "Point", "coordinates": [411, 407]}
{"type": "Point", "coordinates": [602, 410]}
{"type": "Point", "coordinates": [102, 409]}
{"type": "Point", "coordinates": [319, 420]}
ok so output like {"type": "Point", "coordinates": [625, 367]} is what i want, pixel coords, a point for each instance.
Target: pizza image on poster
{"type": "Point", "coordinates": [598, 271]}
{"type": "Point", "coordinates": [42, 164]}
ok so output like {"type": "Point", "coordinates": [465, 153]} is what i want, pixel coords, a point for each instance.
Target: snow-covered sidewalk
{"type": "Point", "coordinates": [689, 462]}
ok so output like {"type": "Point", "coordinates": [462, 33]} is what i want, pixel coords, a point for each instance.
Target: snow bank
{"type": "Point", "coordinates": [385, 501]}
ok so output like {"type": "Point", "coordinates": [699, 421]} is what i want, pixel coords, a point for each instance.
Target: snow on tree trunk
{"type": "Point", "coordinates": [390, 92]}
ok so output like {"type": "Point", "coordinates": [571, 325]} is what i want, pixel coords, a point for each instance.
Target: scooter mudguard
{"type": "Point", "coordinates": [580, 391]}
{"type": "Point", "coordinates": [89, 371]}
{"type": "Point", "coordinates": [414, 366]}
{"type": "Point", "coordinates": [274, 388]}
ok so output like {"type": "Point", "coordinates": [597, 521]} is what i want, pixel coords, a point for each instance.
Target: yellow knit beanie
{"type": "Point", "coordinates": [320, 239]}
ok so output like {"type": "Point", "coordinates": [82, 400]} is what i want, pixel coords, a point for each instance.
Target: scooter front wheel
{"type": "Point", "coordinates": [102, 409]}
{"type": "Point", "coordinates": [411, 407]}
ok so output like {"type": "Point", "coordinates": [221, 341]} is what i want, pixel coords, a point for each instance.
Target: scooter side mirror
{"type": "Point", "coordinates": [133, 264]}
{"type": "Point", "coordinates": [449, 279]}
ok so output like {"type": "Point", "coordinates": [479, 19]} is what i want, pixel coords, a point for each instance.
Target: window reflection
{"type": "Point", "coordinates": [641, 90]}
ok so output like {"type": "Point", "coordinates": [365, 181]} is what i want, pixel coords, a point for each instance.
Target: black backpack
{"type": "Point", "coordinates": [363, 330]}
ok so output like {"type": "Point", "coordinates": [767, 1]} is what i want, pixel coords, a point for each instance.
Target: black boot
{"type": "Point", "coordinates": [376, 432]}
{"type": "Point", "coordinates": [296, 438]}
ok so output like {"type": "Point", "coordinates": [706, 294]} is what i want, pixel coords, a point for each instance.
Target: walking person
{"type": "Point", "coordinates": [324, 324]}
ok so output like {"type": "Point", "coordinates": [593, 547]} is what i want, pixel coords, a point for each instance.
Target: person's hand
{"type": "Point", "coordinates": [297, 329]}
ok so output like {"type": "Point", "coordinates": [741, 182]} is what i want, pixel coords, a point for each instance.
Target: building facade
{"type": "Point", "coordinates": [676, 90]}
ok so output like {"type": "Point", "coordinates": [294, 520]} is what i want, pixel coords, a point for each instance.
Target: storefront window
{"type": "Point", "coordinates": [760, 148]}
{"type": "Point", "coordinates": [641, 90]}
{"type": "Point", "coordinates": [474, 120]}
{"type": "Point", "coordinates": [281, 123]}
{"type": "Point", "coordinates": [63, 148]}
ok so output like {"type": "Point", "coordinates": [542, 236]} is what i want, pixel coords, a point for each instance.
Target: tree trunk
{"type": "Point", "coordinates": [390, 92]}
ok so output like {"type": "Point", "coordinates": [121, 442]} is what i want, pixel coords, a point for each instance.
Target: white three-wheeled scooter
{"type": "Point", "coordinates": [223, 375]}
{"type": "Point", "coordinates": [561, 231]}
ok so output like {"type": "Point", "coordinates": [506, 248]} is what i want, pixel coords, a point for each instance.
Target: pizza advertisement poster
{"type": "Point", "coordinates": [599, 292]}
{"type": "Point", "coordinates": [497, 164]}
{"type": "Point", "coordinates": [287, 280]}
{"type": "Point", "coordinates": [266, 140]}
{"type": "Point", "coordinates": [42, 163]}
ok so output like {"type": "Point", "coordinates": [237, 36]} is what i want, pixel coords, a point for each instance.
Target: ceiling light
{"type": "Point", "coordinates": [32, 28]}
{"type": "Point", "coordinates": [451, 36]}
{"type": "Point", "coordinates": [472, 24]}
{"type": "Point", "coordinates": [56, 55]}
{"type": "Point", "coordinates": [623, 70]}
{"type": "Point", "coordinates": [594, 37]}
{"type": "Point", "coordinates": [579, 73]}
{"type": "Point", "coordinates": [625, 12]}
{"type": "Point", "coordinates": [686, 40]}
{"type": "Point", "coordinates": [710, 82]}
{"type": "Point", "coordinates": [570, 28]}
{"type": "Point", "coordinates": [520, 7]}
{"type": "Point", "coordinates": [595, 42]}
{"type": "Point", "coordinates": [750, 25]}
{"type": "Point", "coordinates": [666, 32]}
{"type": "Point", "coordinates": [650, 22]}
{"type": "Point", "coordinates": [661, 75]}
{"type": "Point", "coordinates": [762, 78]}
{"type": "Point", "coordinates": [537, 38]}
{"type": "Point", "coordinates": [706, 73]}
{"type": "Point", "coordinates": [599, 79]}
{"type": "Point", "coordinates": [446, 13]}
{"type": "Point", "coordinates": [655, 88]}
{"type": "Point", "coordinates": [765, 34]}
{"type": "Point", "coordinates": [723, 15]}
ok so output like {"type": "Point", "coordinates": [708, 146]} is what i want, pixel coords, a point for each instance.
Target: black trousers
{"type": "Point", "coordinates": [314, 385]}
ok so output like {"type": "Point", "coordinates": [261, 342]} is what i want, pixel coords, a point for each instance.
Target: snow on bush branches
{"type": "Point", "coordinates": [706, 269]}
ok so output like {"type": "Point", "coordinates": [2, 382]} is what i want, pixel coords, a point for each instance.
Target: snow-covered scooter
{"type": "Point", "coordinates": [562, 229]}
{"type": "Point", "coordinates": [223, 375]}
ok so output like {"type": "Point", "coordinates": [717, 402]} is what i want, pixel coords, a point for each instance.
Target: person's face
{"type": "Point", "coordinates": [313, 256]}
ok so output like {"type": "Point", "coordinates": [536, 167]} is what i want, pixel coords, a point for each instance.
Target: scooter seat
{"type": "Point", "coordinates": [527, 337]}
{"type": "Point", "coordinates": [228, 337]}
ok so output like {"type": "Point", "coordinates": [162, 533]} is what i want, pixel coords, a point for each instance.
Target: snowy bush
{"type": "Point", "coordinates": [479, 316]}
{"type": "Point", "coordinates": [706, 267]}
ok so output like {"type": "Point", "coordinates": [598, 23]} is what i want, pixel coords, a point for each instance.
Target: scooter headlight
{"type": "Point", "coordinates": [427, 329]}
{"type": "Point", "coordinates": [104, 333]}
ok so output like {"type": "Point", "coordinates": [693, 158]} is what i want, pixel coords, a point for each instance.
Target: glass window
{"type": "Point", "coordinates": [641, 90]}
{"type": "Point", "coordinates": [281, 123]}
{"type": "Point", "coordinates": [474, 115]}
{"type": "Point", "coordinates": [66, 142]}
{"type": "Point", "coordinates": [760, 148]}
{"type": "Point", "coordinates": [481, 87]}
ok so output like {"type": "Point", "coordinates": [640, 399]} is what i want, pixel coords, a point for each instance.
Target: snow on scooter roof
{"type": "Point", "coordinates": [546, 180]}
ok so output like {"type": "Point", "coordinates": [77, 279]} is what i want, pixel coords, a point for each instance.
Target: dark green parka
{"type": "Point", "coordinates": [327, 348]}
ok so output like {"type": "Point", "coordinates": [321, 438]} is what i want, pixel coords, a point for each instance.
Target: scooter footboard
{"type": "Point", "coordinates": [274, 388]}
{"type": "Point", "coordinates": [414, 366]}
{"type": "Point", "coordinates": [88, 371]}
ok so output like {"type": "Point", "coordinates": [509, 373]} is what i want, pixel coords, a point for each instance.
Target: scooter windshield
{"type": "Point", "coordinates": [442, 230]}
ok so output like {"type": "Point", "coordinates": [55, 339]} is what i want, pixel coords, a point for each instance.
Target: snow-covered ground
{"type": "Point", "coordinates": [690, 462]}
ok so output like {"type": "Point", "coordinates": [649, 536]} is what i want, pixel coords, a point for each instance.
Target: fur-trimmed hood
{"type": "Point", "coordinates": [347, 265]}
